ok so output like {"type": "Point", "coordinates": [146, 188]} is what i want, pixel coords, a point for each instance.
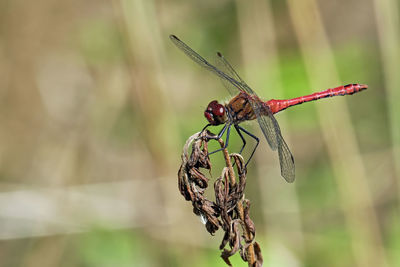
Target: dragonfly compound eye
{"type": "Point", "coordinates": [215, 113]}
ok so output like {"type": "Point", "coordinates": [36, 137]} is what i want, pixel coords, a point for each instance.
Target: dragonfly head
{"type": "Point", "coordinates": [215, 113]}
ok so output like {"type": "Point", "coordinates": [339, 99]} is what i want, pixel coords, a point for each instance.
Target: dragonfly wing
{"type": "Point", "coordinates": [267, 123]}
{"type": "Point", "coordinates": [227, 67]}
{"type": "Point", "coordinates": [266, 120]}
{"type": "Point", "coordinates": [272, 133]}
{"type": "Point", "coordinates": [286, 160]}
{"type": "Point", "coordinates": [205, 64]}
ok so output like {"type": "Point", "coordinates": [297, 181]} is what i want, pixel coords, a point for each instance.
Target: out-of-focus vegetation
{"type": "Point", "coordinates": [96, 104]}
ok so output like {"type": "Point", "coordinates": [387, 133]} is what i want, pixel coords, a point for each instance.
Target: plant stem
{"type": "Point", "coordinates": [250, 255]}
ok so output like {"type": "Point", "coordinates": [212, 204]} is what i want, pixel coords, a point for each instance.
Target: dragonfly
{"type": "Point", "coordinates": [245, 105]}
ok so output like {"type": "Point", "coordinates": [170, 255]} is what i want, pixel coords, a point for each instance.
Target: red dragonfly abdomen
{"type": "Point", "coordinates": [279, 105]}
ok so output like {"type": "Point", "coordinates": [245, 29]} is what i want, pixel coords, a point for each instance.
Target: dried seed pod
{"type": "Point", "coordinates": [229, 211]}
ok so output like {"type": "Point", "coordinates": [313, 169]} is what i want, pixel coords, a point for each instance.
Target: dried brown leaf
{"type": "Point", "coordinates": [230, 211]}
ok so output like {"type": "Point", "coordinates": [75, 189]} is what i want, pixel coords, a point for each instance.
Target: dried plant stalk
{"type": "Point", "coordinates": [229, 211]}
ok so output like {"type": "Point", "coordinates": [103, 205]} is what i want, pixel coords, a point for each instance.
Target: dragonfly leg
{"type": "Point", "coordinates": [241, 136]}
{"type": "Point", "coordinates": [238, 128]}
{"type": "Point", "coordinates": [205, 127]}
{"type": "Point", "coordinates": [226, 128]}
{"type": "Point", "coordinates": [202, 130]}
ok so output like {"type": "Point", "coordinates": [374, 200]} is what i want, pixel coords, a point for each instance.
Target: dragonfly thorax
{"type": "Point", "coordinates": [215, 113]}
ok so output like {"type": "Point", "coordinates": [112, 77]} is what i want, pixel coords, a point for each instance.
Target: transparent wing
{"type": "Point", "coordinates": [268, 127]}
{"type": "Point", "coordinates": [234, 86]}
{"type": "Point", "coordinates": [286, 160]}
{"type": "Point", "coordinates": [227, 67]}
{"type": "Point", "coordinates": [267, 122]}
{"type": "Point", "coordinates": [232, 89]}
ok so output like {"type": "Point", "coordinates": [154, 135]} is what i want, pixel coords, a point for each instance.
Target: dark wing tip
{"type": "Point", "coordinates": [289, 175]}
{"type": "Point", "coordinates": [289, 178]}
{"type": "Point", "coordinates": [171, 36]}
{"type": "Point", "coordinates": [219, 54]}
{"type": "Point", "coordinates": [287, 163]}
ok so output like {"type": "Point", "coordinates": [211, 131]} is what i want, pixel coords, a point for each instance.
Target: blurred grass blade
{"type": "Point", "coordinates": [339, 137]}
{"type": "Point", "coordinates": [261, 63]}
{"type": "Point", "coordinates": [387, 18]}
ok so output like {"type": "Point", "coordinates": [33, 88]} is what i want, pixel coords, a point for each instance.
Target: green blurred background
{"type": "Point", "coordinates": [96, 104]}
